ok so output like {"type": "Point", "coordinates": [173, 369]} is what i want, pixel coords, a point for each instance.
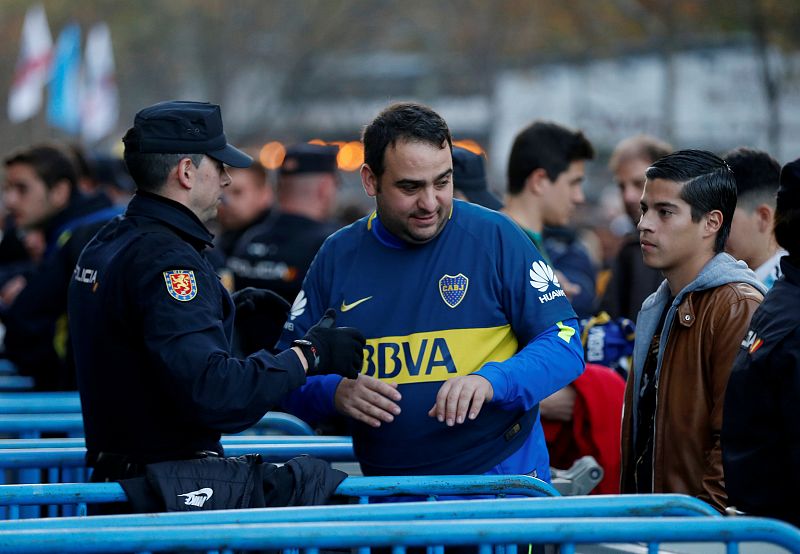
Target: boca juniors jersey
{"type": "Point", "coordinates": [467, 301]}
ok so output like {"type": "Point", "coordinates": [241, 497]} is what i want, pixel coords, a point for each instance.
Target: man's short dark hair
{"type": "Point", "coordinates": [707, 184]}
{"type": "Point", "coordinates": [403, 121]}
{"type": "Point", "coordinates": [50, 162]}
{"type": "Point", "coordinates": [545, 145]}
{"type": "Point", "coordinates": [757, 176]}
{"type": "Point", "coordinates": [150, 170]}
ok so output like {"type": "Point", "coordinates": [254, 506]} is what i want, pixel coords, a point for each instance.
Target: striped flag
{"type": "Point", "coordinates": [64, 98]}
{"type": "Point", "coordinates": [31, 72]}
{"type": "Point", "coordinates": [100, 96]}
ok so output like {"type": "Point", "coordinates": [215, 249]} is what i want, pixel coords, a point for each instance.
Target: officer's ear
{"type": "Point", "coordinates": [184, 173]}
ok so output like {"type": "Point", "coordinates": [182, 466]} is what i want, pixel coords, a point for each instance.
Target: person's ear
{"type": "Point", "coordinates": [537, 181]}
{"type": "Point", "coordinates": [59, 194]}
{"type": "Point", "coordinates": [765, 218]}
{"type": "Point", "coordinates": [713, 222]}
{"type": "Point", "coordinates": [369, 181]}
{"type": "Point", "coordinates": [185, 172]}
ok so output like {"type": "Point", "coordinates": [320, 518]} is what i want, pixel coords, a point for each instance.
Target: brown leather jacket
{"type": "Point", "coordinates": [706, 334]}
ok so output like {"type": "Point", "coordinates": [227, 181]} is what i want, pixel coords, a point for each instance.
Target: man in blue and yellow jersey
{"type": "Point", "coordinates": [467, 326]}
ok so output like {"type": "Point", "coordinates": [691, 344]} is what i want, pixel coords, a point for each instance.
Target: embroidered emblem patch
{"type": "Point", "coordinates": [181, 284]}
{"type": "Point", "coordinates": [453, 289]}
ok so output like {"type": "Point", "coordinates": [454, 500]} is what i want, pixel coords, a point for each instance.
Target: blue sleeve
{"type": "Point", "coordinates": [312, 402]}
{"type": "Point", "coordinates": [546, 364]}
{"type": "Point", "coordinates": [529, 292]}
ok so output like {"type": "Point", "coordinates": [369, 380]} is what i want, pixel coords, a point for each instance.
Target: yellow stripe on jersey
{"type": "Point", "coordinates": [565, 332]}
{"type": "Point", "coordinates": [437, 355]}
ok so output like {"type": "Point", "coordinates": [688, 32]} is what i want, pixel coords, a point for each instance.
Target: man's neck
{"type": "Point", "coordinates": [679, 277]}
{"type": "Point", "coordinates": [764, 254]}
{"type": "Point", "coordinates": [524, 210]}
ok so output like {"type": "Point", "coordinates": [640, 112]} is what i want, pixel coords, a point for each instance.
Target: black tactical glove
{"type": "Point", "coordinates": [260, 315]}
{"type": "Point", "coordinates": [330, 349]}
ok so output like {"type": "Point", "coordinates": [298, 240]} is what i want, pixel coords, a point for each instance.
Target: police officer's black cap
{"type": "Point", "coordinates": [469, 177]}
{"type": "Point", "coordinates": [181, 127]}
{"type": "Point", "coordinates": [309, 158]}
{"type": "Point", "coordinates": [789, 190]}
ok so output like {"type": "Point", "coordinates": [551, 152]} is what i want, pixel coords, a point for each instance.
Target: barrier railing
{"type": "Point", "coordinates": [227, 440]}
{"type": "Point", "coordinates": [33, 425]}
{"type": "Point", "coordinates": [78, 495]}
{"type": "Point", "coordinates": [668, 505]}
{"type": "Point", "coordinates": [39, 402]}
{"type": "Point", "coordinates": [312, 536]}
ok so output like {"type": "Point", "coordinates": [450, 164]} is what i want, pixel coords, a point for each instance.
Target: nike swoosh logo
{"type": "Point", "coordinates": [347, 307]}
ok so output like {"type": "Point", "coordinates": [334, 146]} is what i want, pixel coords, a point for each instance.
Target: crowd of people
{"type": "Point", "coordinates": [449, 331]}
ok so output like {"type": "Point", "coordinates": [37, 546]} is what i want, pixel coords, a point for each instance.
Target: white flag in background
{"type": "Point", "coordinates": [33, 65]}
{"type": "Point", "coordinates": [100, 97]}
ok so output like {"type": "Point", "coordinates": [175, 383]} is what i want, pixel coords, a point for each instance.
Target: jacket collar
{"type": "Point", "coordinates": [172, 214]}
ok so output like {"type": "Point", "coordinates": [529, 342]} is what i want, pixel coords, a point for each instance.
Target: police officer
{"type": "Point", "coordinates": [276, 253]}
{"type": "Point", "coordinates": [152, 324]}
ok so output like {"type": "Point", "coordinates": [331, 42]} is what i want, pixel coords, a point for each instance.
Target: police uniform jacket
{"type": "Point", "coordinates": [761, 425]}
{"type": "Point", "coordinates": [152, 328]}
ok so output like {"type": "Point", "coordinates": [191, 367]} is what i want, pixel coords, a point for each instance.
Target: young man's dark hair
{"type": "Point", "coordinates": [51, 163]}
{"type": "Point", "coordinates": [403, 121]}
{"type": "Point", "coordinates": [708, 184]}
{"type": "Point", "coordinates": [756, 174]}
{"type": "Point", "coordinates": [545, 145]}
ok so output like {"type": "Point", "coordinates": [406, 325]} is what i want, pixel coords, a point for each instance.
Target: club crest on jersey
{"type": "Point", "coordinates": [453, 289]}
{"type": "Point", "coordinates": [181, 284]}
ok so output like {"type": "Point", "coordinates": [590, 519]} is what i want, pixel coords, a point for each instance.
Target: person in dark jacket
{"type": "Point", "coordinates": [151, 322]}
{"type": "Point", "coordinates": [42, 196]}
{"type": "Point", "coordinates": [761, 425]}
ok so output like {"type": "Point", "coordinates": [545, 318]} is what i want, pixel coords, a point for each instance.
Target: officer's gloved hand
{"type": "Point", "coordinates": [260, 315]}
{"type": "Point", "coordinates": [335, 349]}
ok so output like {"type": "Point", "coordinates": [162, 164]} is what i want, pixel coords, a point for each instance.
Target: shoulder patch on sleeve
{"type": "Point", "coordinates": [181, 284]}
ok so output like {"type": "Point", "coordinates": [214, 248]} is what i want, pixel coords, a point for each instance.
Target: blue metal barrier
{"type": "Point", "coordinates": [80, 494]}
{"type": "Point", "coordinates": [670, 505]}
{"type": "Point", "coordinates": [399, 534]}
{"type": "Point", "coordinates": [40, 403]}
{"type": "Point", "coordinates": [44, 458]}
{"type": "Point", "coordinates": [227, 440]}
{"type": "Point", "coordinates": [31, 426]}
{"type": "Point", "coordinates": [15, 383]}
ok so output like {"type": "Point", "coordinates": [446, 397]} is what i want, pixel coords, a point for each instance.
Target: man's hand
{"type": "Point", "coordinates": [259, 319]}
{"type": "Point", "coordinates": [559, 405]}
{"type": "Point", "coordinates": [335, 349]}
{"type": "Point", "coordinates": [461, 396]}
{"type": "Point", "coordinates": [368, 400]}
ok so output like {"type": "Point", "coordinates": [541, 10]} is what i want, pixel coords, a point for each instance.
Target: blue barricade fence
{"type": "Point", "coordinates": [15, 383]}
{"type": "Point", "coordinates": [312, 536]}
{"type": "Point", "coordinates": [668, 505]}
{"type": "Point", "coordinates": [227, 440]}
{"type": "Point", "coordinates": [40, 403]}
{"type": "Point", "coordinates": [33, 425]}
{"type": "Point", "coordinates": [77, 495]}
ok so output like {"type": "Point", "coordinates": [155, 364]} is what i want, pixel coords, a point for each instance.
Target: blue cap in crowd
{"type": "Point", "coordinates": [469, 177]}
{"type": "Point", "coordinates": [181, 127]}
